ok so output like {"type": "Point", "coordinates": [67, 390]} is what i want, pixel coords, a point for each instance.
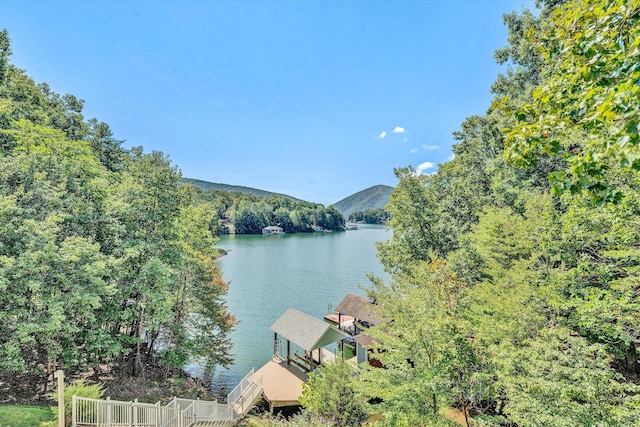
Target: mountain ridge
{"type": "Point", "coordinates": [207, 185]}
{"type": "Point", "coordinates": [375, 197]}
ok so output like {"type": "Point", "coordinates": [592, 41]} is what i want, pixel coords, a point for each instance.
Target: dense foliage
{"type": "Point", "coordinates": [242, 213]}
{"type": "Point", "coordinates": [586, 107]}
{"type": "Point", "coordinates": [372, 216]}
{"type": "Point", "coordinates": [331, 394]}
{"type": "Point", "coordinates": [515, 268]}
{"type": "Point", "coordinates": [103, 255]}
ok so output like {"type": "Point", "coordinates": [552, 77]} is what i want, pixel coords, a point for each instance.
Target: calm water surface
{"type": "Point", "coordinates": [268, 274]}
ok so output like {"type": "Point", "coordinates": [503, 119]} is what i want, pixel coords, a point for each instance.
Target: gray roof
{"type": "Point", "coordinates": [358, 307]}
{"type": "Point", "coordinates": [305, 331]}
{"type": "Point", "coordinates": [363, 340]}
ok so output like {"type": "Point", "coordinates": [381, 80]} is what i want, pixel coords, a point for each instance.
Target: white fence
{"type": "Point", "coordinates": [244, 395]}
{"type": "Point", "coordinates": [88, 412]}
{"type": "Point", "coordinates": [112, 413]}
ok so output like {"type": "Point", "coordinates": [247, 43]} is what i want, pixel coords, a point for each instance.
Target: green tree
{"type": "Point", "coordinates": [587, 106]}
{"type": "Point", "coordinates": [373, 216]}
{"type": "Point", "coordinates": [103, 255]}
{"type": "Point", "coordinates": [107, 149]}
{"type": "Point", "coordinates": [5, 53]}
{"type": "Point", "coordinates": [428, 362]}
{"type": "Point", "coordinates": [414, 221]}
{"type": "Point", "coordinates": [249, 218]}
{"type": "Point", "coordinates": [599, 252]}
{"type": "Point", "coordinates": [559, 379]}
{"type": "Point", "coordinates": [331, 394]}
{"type": "Point", "coordinates": [201, 324]}
{"type": "Point", "coordinates": [282, 218]}
{"type": "Point", "coordinates": [54, 274]}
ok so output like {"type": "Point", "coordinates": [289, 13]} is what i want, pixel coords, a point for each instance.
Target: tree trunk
{"type": "Point", "coordinates": [466, 417]}
{"type": "Point", "coordinates": [137, 365]}
{"type": "Point", "coordinates": [631, 361]}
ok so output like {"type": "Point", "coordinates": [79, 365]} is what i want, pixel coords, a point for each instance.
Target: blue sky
{"type": "Point", "coordinates": [314, 99]}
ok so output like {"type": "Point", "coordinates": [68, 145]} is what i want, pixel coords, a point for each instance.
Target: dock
{"type": "Point", "coordinates": [305, 338]}
{"type": "Point", "coordinates": [282, 383]}
{"type": "Point", "coordinates": [341, 321]}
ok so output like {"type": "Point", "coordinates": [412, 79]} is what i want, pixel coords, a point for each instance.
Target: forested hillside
{"type": "Point", "coordinates": [242, 213]}
{"type": "Point", "coordinates": [206, 185]}
{"type": "Point", "coordinates": [105, 259]}
{"type": "Point", "coordinates": [372, 216]}
{"type": "Point", "coordinates": [515, 290]}
{"type": "Point", "coordinates": [371, 198]}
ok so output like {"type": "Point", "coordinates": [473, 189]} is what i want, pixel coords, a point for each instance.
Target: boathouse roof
{"type": "Point", "coordinates": [363, 340]}
{"type": "Point", "coordinates": [358, 307]}
{"type": "Point", "coordinates": [306, 331]}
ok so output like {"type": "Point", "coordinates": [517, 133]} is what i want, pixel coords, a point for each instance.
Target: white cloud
{"type": "Point", "coordinates": [382, 135]}
{"type": "Point", "coordinates": [413, 151]}
{"type": "Point", "coordinates": [398, 129]}
{"type": "Point", "coordinates": [429, 147]}
{"type": "Point", "coordinates": [423, 167]}
{"type": "Point", "coordinates": [405, 139]}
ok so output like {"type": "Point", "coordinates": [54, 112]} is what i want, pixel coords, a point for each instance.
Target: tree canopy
{"type": "Point", "coordinates": [587, 107]}
{"type": "Point", "coordinates": [242, 213]}
{"type": "Point", "coordinates": [104, 256]}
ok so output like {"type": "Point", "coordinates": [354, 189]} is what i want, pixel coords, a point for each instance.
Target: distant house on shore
{"type": "Point", "coordinates": [272, 229]}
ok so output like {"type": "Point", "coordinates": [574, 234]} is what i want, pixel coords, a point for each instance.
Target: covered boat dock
{"type": "Point", "coordinates": [284, 374]}
{"type": "Point", "coordinates": [355, 314]}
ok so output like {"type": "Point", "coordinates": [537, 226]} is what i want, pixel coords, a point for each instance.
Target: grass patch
{"type": "Point", "coordinates": [25, 416]}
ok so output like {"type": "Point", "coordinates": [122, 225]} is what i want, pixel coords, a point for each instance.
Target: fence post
{"type": "Point", "coordinates": [135, 413]}
{"type": "Point", "coordinates": [74, 412]}
{"type": "Point", "coordinates": [109, 409]}
{"type": "Point", "coordinates": [158, 414]}
{"type": "Point", "coordinates": [60, 376]}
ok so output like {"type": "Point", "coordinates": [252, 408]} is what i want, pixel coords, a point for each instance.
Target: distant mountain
{"type": "Point", "coordinates": [206, 185]}
{"type": "Point", "coordinates": [375, 197]}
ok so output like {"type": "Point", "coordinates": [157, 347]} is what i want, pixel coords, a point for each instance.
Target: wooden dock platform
{"type": "Point", "coordinates": [282, 383]}
{"type": "Point", "coordinates": [342, 321]}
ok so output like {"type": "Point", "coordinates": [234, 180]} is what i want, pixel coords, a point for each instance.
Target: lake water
{"type": "Point", "coordinates": [306, 271]}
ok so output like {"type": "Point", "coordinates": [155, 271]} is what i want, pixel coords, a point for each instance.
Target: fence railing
{"type": "Point", "coordinates": [236, 393]}
{"type": "Point", "coordinates": [113, 413]}
{"type": "Point", "coordinates": [87, 412]}
{"type": "Point", "coordinates": [248, 395]}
